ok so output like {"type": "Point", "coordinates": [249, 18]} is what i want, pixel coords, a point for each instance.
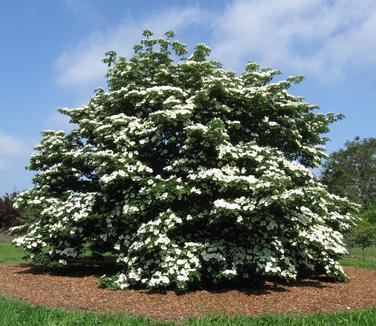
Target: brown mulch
{"type": "Point", "coordinates": [77, 289]}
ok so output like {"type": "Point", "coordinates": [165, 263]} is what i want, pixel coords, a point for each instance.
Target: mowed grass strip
{"type": "Point", "coordinates": [16, 313]}
{"type": "Point", "coordinates": [355, 258]}
{"type": "Point", "coordinates": [370, 253]}
{"type": "Point", "coordinates": [9, 253]}
{"type": "Point", "coordinates": [358, 262]}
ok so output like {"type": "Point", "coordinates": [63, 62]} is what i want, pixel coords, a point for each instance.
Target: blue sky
{"type": "Point", "coordinates": [51, 55]}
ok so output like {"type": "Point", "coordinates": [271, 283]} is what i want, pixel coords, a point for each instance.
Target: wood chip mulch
{"type": "Point", "coordinates": [78, 290]}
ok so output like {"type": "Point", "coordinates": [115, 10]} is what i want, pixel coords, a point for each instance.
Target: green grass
{"type": "Point", "coordinates": [5, 237]}
{"type": "Point", "coordinates": [355, 258]}
{"type": "Point", "coordinates": [358, 262]}
{"type": "Point", "coordinates": [14, 313]}
{"type": "Point", "coordinates": [370, 253]}
{"type": "Point", "coordinates": [10, 253]}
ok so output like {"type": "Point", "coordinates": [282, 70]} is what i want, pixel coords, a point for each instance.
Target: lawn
{"type": "Point", "coordinates": [355, 258]}
{"type": "Point", "coordinates": [358, 262]}
{"type": "Point", "coordinates": [16, 313]}
{"type": "Point", "coordinates": [370, 253]}
{"type": "Point", "coordinates": [9, 253]}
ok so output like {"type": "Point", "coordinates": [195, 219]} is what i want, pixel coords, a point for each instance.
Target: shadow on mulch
{"type": "Point", "coordinates": [262, 286]}
{"type": "Point", "coordinates": [75, 270]}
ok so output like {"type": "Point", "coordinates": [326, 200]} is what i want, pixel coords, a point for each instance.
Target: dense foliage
{"type": "Point", "coordinates": [351, 171]}
{"type": "Point", "coordinates": [369, 213]}
{"type": "Point", "coordinates": [188, 173]}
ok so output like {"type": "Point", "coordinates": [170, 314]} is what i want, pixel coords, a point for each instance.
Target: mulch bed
{"type": "Point", "coordinates": [77, 289]}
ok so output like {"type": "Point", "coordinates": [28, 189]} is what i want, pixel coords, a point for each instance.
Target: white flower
{"type": "Point", "coordinates": [182, 278]}
{"type": "Point", "coordinates": [195, 190]}
{"type": "Point", "coordinates": [221, 203]}
{"type": "Point", "coordinates": [229, 272]}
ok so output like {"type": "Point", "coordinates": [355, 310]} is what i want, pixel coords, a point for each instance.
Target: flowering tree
{"type": "Point", "coordinates": [188, 174]}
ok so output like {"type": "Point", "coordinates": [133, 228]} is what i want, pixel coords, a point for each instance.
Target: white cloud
{"type": "Point", "coordinates": [13, 151]}
{"type": "Point", "coordinates": [81, 65]}
{"type": "Point", "coordinates": [318, 37]}
{"type": "Point", "coordinates": [324, 39]}
{"type": "Point", "coordinates": [11, 146]}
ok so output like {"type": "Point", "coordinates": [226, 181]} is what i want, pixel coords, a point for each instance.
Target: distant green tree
{"type": "Point", "coordinates": [363, 236]}
{"type": "Point", "coordinates": [351, 171]}
{"type": "Point", "coordinates": [369, 214]}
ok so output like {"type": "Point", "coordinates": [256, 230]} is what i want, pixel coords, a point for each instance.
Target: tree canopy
{"type": "Point", "coordinates": [351, 171]}
{"type": "Point", "coordinates": [188, 173]}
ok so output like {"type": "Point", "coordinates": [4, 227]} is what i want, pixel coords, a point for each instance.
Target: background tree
{"type": "Point", "coordinates": [188, 174]}
{"type": "Point", "coordinates": [369, 214]}
{"type": "Point", "coordinates": [351, 171]}
{"type": "Point", "coordinates": [363, 236]}
{"type": "Point", "coordinates": [9, 215]}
